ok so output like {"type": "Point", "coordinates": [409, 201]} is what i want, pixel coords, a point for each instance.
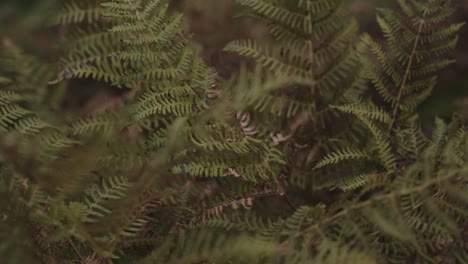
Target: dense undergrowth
{"type": "Point", "coordinates": [310, 151]}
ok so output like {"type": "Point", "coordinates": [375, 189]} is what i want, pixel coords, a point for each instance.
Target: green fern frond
{"type": "Point", "coordinates": [103, 124]}
{"type": "Point", "coordinates": [74, 12]}
{"type": "Point", "coordinates": [112, 188]}
{"type": "Point", "coordinates": [353, 182]}
{"type": "Point", "coordinates": [330, 253]}
{"type": "Point", "coordinates": [410, 140]}
{"type": "Point", "coordinates": [8, 97]}
{"type": "Point", "coordinates": [14, 117]}
{"type": "Point", "coordinates": [341, 155]}
{"type": "Point", "coordinates": [56, 139]}
{"type": "Point", "coordinates": [368, 111]}
{"type": "Point", "coordinates": [420, 39]}
{"type": "Point", "coordinates": [382, 143]}
{"type": "Point", "coordinates": [205, 245]}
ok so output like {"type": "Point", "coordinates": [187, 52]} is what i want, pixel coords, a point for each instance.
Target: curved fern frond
{"type": "Point", "coordinates": [341, 155]}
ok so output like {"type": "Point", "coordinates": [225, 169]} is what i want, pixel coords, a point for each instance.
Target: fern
{"type": "Point", "coordinates": [419, 38]}
{"type": "Point", "coordinates": [313, 155]}
{"type": "Point", "coordinates": [111, 190]}
{"type": "Point", "coordinates": [313, 48]}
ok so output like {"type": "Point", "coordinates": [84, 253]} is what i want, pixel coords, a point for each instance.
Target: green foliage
{"type": "Point", "coordinates": [314, 156]}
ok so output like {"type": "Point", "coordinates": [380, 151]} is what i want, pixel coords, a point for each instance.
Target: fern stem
{"type": "Point", "coordinates": [70, 241]}
{"type": "Point", "coordinates": [310, 55]}
{"type": "Point", "coordinates": [309, 28]}
{"type": "Point", "coordinates": [406, 75]}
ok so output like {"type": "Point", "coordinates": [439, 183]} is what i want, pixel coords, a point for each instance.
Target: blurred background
{"type": "Point", "coordinates": [22, 22]}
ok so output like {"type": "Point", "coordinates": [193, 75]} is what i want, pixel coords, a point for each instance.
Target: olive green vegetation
{"type": "Point", "coordinates": [20, 16]}
{"type": "Point", "coordinates": [269, 131]}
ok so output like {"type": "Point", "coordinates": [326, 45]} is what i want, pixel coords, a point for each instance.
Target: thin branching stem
{"type": "Point", "coordinates": [406, 75]}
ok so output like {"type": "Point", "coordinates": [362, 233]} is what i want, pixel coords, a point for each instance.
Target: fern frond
{"type": "Point", "coordinates": [76, 12]}
{"type": "Point", "coordinates": [103, 124]}
{"type": "Point", "coordinates": [112, 188]}
{"type": "Point", "coordinates": [313, 46]}
{"type": "Point", "coordinates": [410, 140]}
{"type": "Point", "coordinates": [368, 111]}
{"type": "Point", "coordinates": [205, 245]}
{"type": "Point", "coordinates": [420, 39]}
{"type": "Point", "coordinates": [341, 155]}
